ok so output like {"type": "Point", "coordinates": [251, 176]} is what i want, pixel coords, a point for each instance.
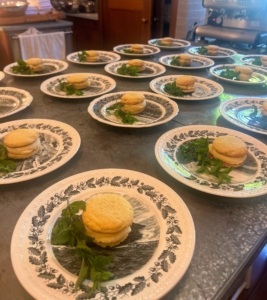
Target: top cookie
{"type": "Point", "coordinates": [230, 146]}
{"type": "Point", "coordinates": [132, 98]}
{"type": "Point", "coordinates": [107, 213]}
{"type": "Point", "coordinates": [20, 138]}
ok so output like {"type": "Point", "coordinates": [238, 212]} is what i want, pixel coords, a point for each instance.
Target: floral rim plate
{"type": "Point", "coordinates": [237, 111]}
{"type": "Point", "coordinates": [158, 110]}
{"type": "Point", "coordinates": [59, 143]}
{"type": "Point", "coordinates": [223, 53]}
{"type": "Point", "coordinates": [105, 58]}
{"type": "Point", "coordinates": [162, 230]}
{"type": "Point", "coordinates": [249, 59]}
{"type": "Point", "coordinates": [2, 75]}
{"type": "Point", "coordinates": [259, 76]}
{"type": "Point", "coordinates": [197, 62]}
{"type": "Point", "coordinates": [249, 180]}
{"type": "Point", "coordinates": [148, 50]}
{"type": "Point", "coordinates": [99, 84]}
{"type": "Point", "coordinates": [13, 100]}
{"type": "Point", "coordinates": [51, 66]}
{"type": "Point", "coordinates": [151, 69]}
{"type": "Point", "coordinates": [205, 88]}
{"type": "Point", "coordinates": [177, 44]}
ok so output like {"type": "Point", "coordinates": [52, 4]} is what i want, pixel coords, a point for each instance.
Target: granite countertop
{"type": "Point", "coordinates": [90, 16]}
{"type": "Point", "coordinates": [229, 231]}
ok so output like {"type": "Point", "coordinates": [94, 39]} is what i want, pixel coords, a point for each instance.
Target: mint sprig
{"type": "Point", "coordinates": [202, 50]}
{"type": "Point", "coordinates": [172, 89]}
{"type": "Point", "coordinates": [126, 117]}
{"type": "Point", "coordinates": [128, 51]}
{"type": "Point", "coordinates": [6, 165]}
{"type": "Point", "coordinates": [229, 74]}
{"type": "Point", "coordinates": [68, 88]}
{"type": "Point", "coordinates": [82, 56]}
{"type": "Point", "coordinates": [22, 68]}
{"type": "Point", "coordinates": [70, 231]}
{"type": "Point", "coordinates": [124, 70]}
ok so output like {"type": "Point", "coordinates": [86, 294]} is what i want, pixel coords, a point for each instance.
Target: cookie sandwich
{"type": "Point", "coordinates": [79, 81]}
{"type": "Point", "coordinates": [133, 102]}
{"type": "Point", "coordinates": [186, 83]}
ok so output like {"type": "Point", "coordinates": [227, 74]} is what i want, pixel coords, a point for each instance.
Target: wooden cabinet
{"type": "Point", "coordinates": [126, 22]}
{"type": "Point", "coordinates": [86, 34]}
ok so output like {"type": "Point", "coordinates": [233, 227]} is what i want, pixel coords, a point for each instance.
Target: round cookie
{"type": "Point", "coordinates": [92, 56]}
{"type": "Point", "coordinates": [22, 156]}
{"type": "Point", "coordinates": [140, 64]}
{"type": "Point", "coordinates": [107, 213]}
{"type": "Point", "coordinates": [20, 138]}
{"type": "Point", "coordinates": [137, 48]}
{"type": "Point", "coordinates": [132, 98]}
{"type": "Point", "coordinates": [230, 146]}
{"type": "Point", "coordinates": [167, 41]}
{"type": "Point", "coordinates": [25, 150]}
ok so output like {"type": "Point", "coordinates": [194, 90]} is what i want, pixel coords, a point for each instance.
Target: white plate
{"type": "Point", "coordinates": [237, 111]}
{"type": "Point", "coordinates": [205, 88]}
{"type": "Point", "coordinates": [162, 232]}
{"type": "Point", "coordinates": [100, 84]}
{"type": "Point", "coordinates": [105, 58]}
{"type": "Point", "coordinates": [197, 62]}
{"type": "Point", "coordinates": [259, 76]}
{"type": "Point", "coordinates": [177, 44]}
{"type": "Point", "coordinates": [249, 180]}
{"type": "Point", "coordinates": [158, 110]}
{"type": "Point", "coordinates": [249, 59]}
{"type": "Point", "coordinates": [151, 69]}
{"type": "Point", "coordinates": [59, 143]}
{"type": "Point", "coordinates": [2, 75]}
{"type": "Point", "coordinates": [223, 53]}
{"type": "Point", "coordinates": [13, 100]}
{"type": "Point", "coordinates": [51, 66]}
{"type": "Point", "coordinates": [148, 50]}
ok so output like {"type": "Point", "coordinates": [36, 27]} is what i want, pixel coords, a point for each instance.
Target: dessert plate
{"type": "Point", "coordinates": [249, 180]}
{"type": "Point", "coordinates": [223, 53]}
{"type": "Point", "coordinates": [250, 60]}
{"type": "Point", "coordinates": [162, 231]}
{"type": "Point", "coordinates": [148, 50]}
{"type": "Point", "coordinates": [13, 100]}
{"type": "Point", "coordinates": [259, 76]}
{"type": "Point", "coordinates": [59, 143]}
{"type": "Point", "coordinates": [99, 84]}
{"type": "Point", "coordinates": [238, 111]}
{"type": "Point", "coordinates": [105, 57]}
{"type": "Point", "coordinates": [159, 109]}
{"type": "Point", "coordinates": [177, 44]}
{"type": "Point", "coordinates": [204, 88]}
{"type": "Point", "coordinates": [2, 75]}
{"type": "Point", "coordinates": [151, 69]}
{"type": "Point", "coordinates": [51, 66]}
{"type": "Point", "coordinates": [197, 62]}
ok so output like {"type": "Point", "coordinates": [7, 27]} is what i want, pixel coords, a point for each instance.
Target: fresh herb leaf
{"type": "Point", "coordinates": [82, 56]}
{"type": "Point", "coordinates": [202, 50]}
{"type": "Point", "coordinates": [69, 88]}
{"type": "Point", "coordinates": [172, 89]}
{"type": "Point", "coordinates": [126, 117]}
{"type": "Point", "coordinates": [124, 70]}
{"type": "Point", "coordinates": [22, 68]}
{"type": "Point", "coordinates": [198, 150]}
{"type": "Point", "coordinates": [70, 231]}
{"type": "Point", "coordinates": [257, 61]}
{"type": "Point", "coordinates": [159, 43]}
{"type": "Point", "coordinates": [128, 51]}
{"type": "Point", "coordinates": [6, 165]}
{"type": "Point", "coordinates": [176, 61]}
{"type": "Point", "coordinates": [229, 74]}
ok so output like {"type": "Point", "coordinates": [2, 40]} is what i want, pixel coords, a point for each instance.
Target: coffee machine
{"type": "Point", "coordinates": [238, 21]}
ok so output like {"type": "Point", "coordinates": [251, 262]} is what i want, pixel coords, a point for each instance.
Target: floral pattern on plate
{"type": "Point", "coordinates": [158, 110]}
{"type": "Point", "coordinates": [50, 66]}
{"type": "Point", "coordinates": [204, 88]}
{"type": "Point", "coordinates": [222, 53]}
{"type": "Point", "coordinates": [237, 111]}
{"type": "Point", "coordinates": [249, 180]}
{"type": "Point", "coordinates": [151, 69]}
{"type": "Point", "coordinates": [105, 57]}
{"type": "Point", "coordinates": [249, 60]}
{"type": "Point", "coordinates": [99, 84]}
{"type": "Point", "coordinates": [177, 44]}
{"type": "Point", "coordinates": [59, 143]}
{"type": "Point", "coordinates": [13, 100]}
{"type": "Point", "coordinates": [162, 229]}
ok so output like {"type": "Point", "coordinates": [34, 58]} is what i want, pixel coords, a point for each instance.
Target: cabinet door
{"type": "Point", "coordinates": [126, 21]}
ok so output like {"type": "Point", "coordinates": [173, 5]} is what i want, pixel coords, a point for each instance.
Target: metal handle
{"type": "Point", "coordinates": [15, 37]}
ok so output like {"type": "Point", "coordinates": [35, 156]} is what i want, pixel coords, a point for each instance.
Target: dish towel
{"type": "Point", "coordinates": [33, 43]}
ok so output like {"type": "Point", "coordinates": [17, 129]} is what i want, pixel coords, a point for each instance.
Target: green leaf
{"type": "Point", "coordinates": [229, 74]}
{"type": "Point", "coordinates": [202, 50]}
{"type": "Point", "coordinates": [103, 261]}
{"type": "Point", "coordinates": [124, 70]}
{"type": "Point", "coordinates": [172, 89]}
{"type": "Point", "coordinates": [22, 68]}
{"type": "Point", "coordinates": [82, 274]}
{"type": "Point", "coordinates": [128, 51]}
{"type": "Point", "coordinates": [3, 152]}
{"type": "Point", "coordinates": [117, 105]}
{"type": "Point", "coordinates": [216, 168]}
{"type": "Point", "coordinates": [82, 56]}
{"type": "Point", "coordinates": [73, 208]}
{"type": "Point", "coordinates": [69, 88]}
{"type": "Point", "coordinates": [7, 166]}
{"type": "Point", "coordinates": [257, 61]}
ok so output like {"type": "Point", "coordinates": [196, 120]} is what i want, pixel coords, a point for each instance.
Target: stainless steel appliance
{"type": "Point", "coordinates": [240, 21]}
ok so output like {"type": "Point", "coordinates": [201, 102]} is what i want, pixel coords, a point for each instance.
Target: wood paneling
{"type": "Point", "coordinates": [126, 4]}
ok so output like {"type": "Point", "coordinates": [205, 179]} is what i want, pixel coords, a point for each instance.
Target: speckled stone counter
{"type": "Point", "coordinates": [229, 232]}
